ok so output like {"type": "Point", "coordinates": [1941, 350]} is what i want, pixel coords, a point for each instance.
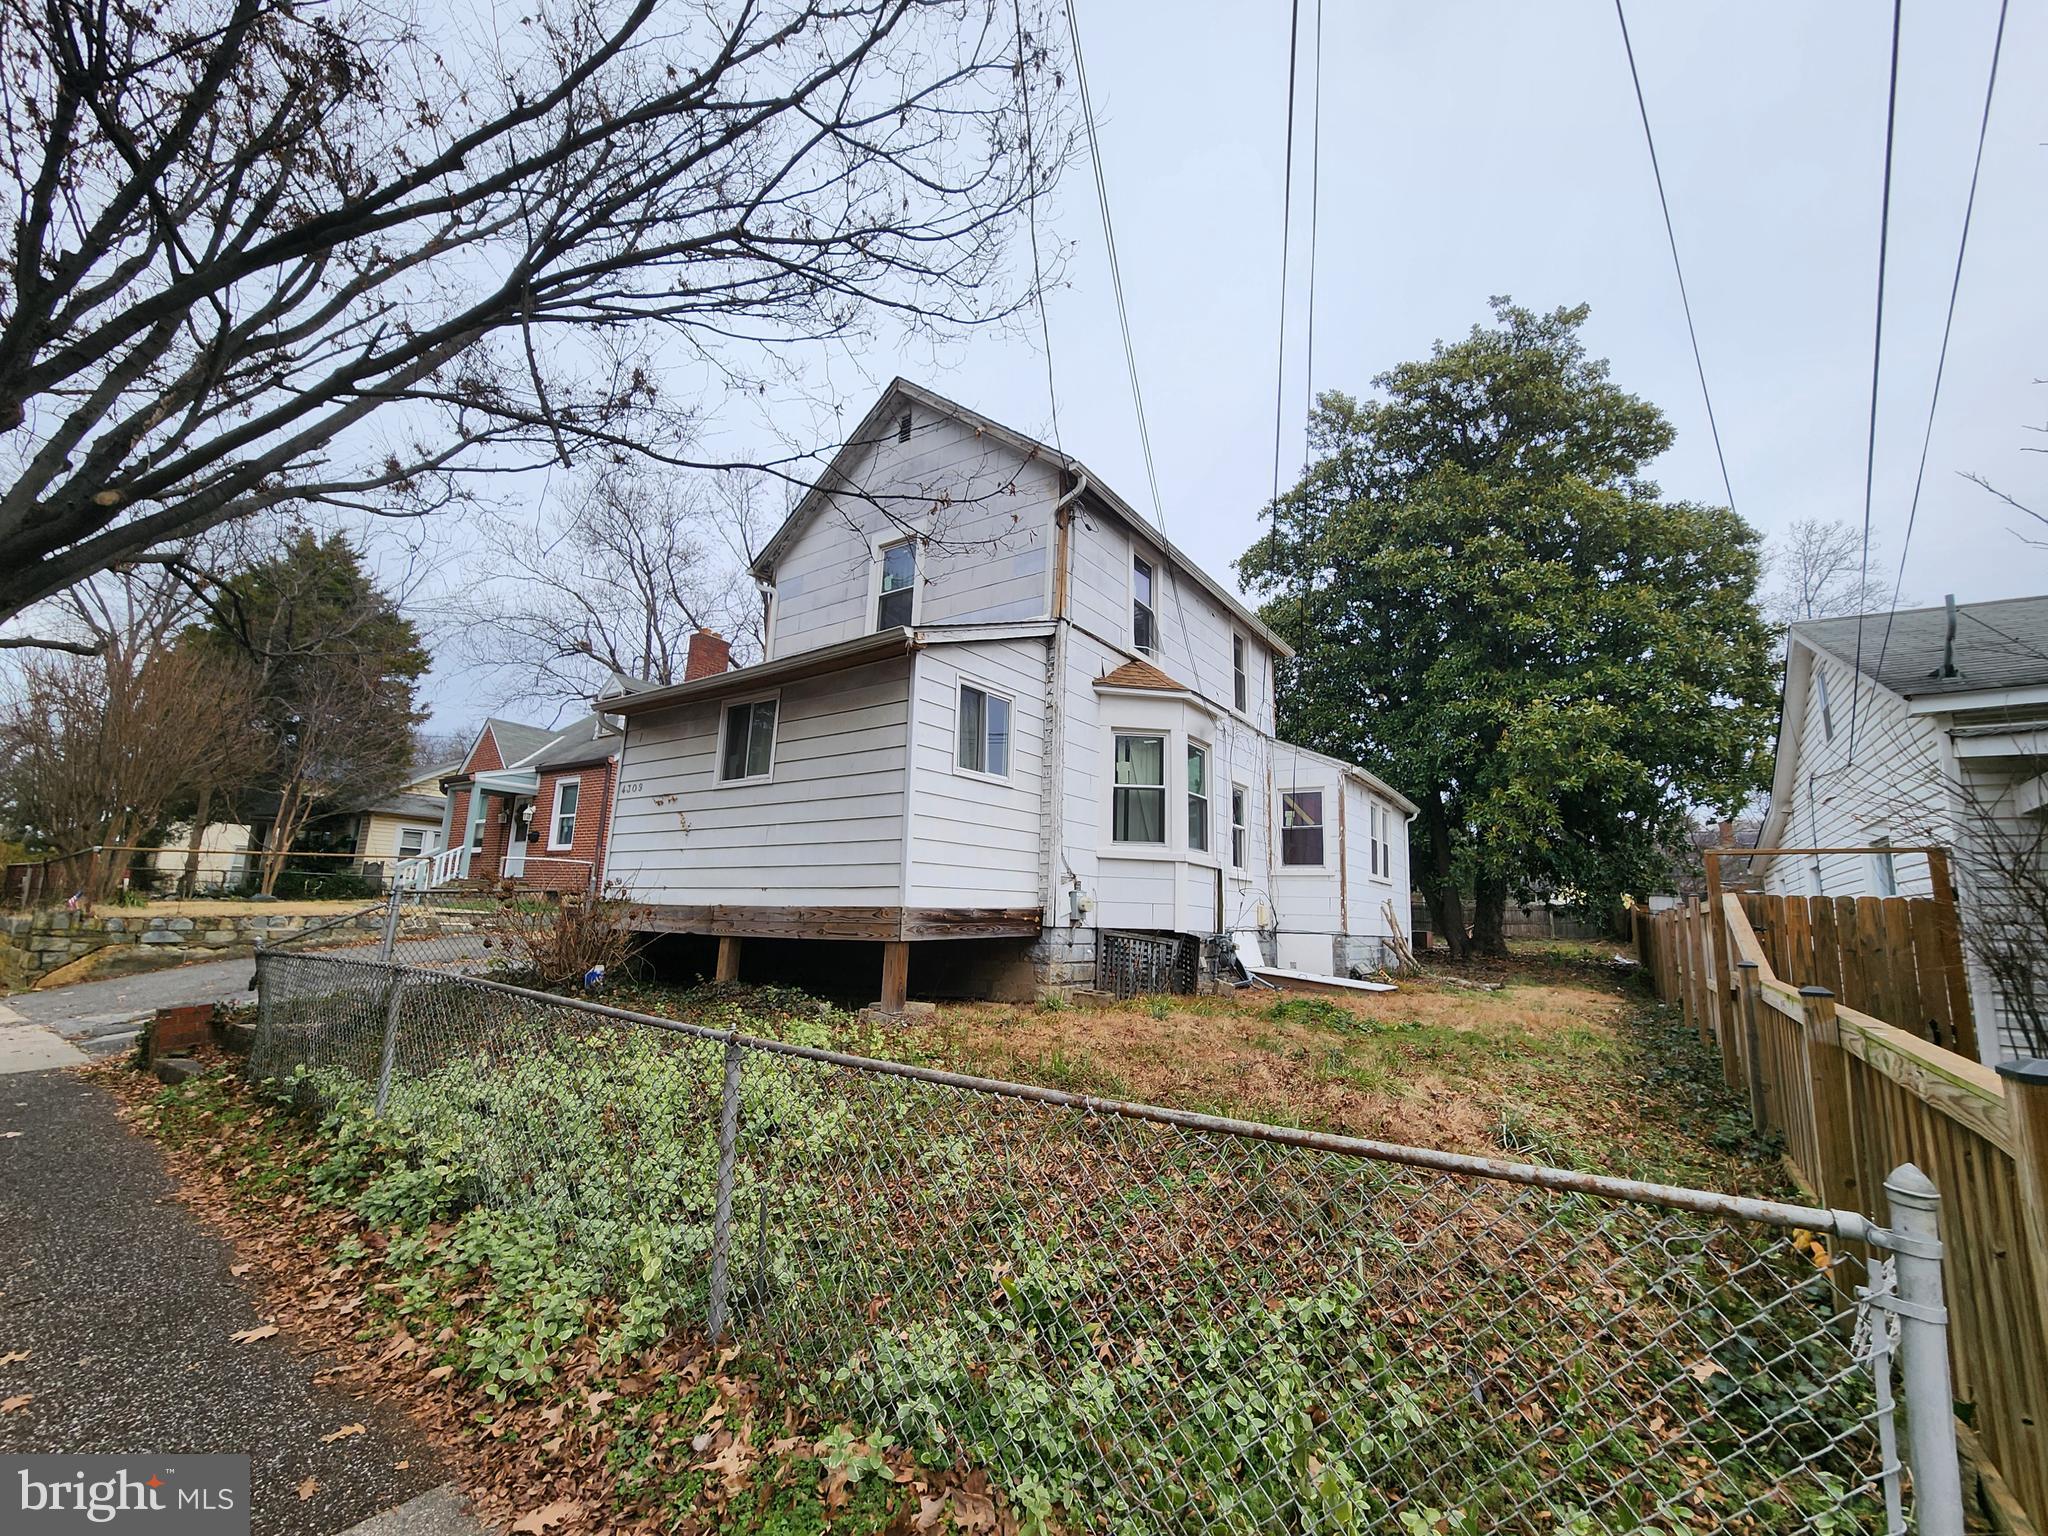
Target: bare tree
{"type": "Point", "coordinates": [1818, 570]}
{"type": "Point", "coordinates": [269, 255]}
{"type": "Point", "coordinates": [2001, 872]}
{"type": "Point", "coordinates": [635, 565]}
{"type": "Point", "coordinates": [98, 747]}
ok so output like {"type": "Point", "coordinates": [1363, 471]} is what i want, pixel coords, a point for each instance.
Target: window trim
{"type": "Point", "coordinates": [1240, 673]}
{"type": "Point", "coordinates": [1207, 797]}
{"type": "Point", "coordinates": [1151, 564]}
{"type": "Point", "coordinates": [877, 544]}
{"type": "Point", "coordinates": [1884, 866]}
{"type": "Point", "coordinates": [1280, 799]}
{"type": "Point", "coordinates": [961, 682]}
{"type": "Point", "coordinates": [1240, 826]}
{"type": "Point", "coordinates": [422, 833]}
{"type": "Point", "coordinates": [1827, 713]}
{"type": "Point", "coordinates": [725, 709]}
{"type": "Point", "coordinates": [1165, 738]}
{"type": "Point", "coordinates": [555, 813]}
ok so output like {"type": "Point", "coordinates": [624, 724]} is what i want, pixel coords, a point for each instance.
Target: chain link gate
{"type": "Point", "coordinates": [1142, 1320]}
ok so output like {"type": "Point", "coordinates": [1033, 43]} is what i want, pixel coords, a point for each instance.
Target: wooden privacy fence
{"type": "Point", "coordinates": [1854, 1097]}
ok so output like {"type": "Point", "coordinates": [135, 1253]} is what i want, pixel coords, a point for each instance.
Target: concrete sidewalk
{"type": "Point", "coordinates": [125, 1308]}
{"type": "Point", "coordinates": [103, 1016]}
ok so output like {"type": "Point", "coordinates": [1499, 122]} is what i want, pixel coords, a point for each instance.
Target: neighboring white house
{"type": "Point", "coordinates": [1940, 739]}
{"type": "Point", "coordinates": [996, 708]}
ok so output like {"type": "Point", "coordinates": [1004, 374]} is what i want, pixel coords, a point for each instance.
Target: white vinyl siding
{"type": "Point", "coordinates": [976, 839]}
{"type": "Point", "coordinates": [826, 830]}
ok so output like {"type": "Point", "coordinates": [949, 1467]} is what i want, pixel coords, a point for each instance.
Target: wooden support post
{"type": "Point", "coordinates": [895, 975]}
{"type": "Point", "coordinates": [2026, 1104]}
{"type": "Point", "coordinates": [1747, 1002]}
{"type": "Point", "coordinates": [728, 959]}
{"type": "Point", "coordinates": [1725, 1018]}
{"type": "Point", "coordinates": [1827, 1078]}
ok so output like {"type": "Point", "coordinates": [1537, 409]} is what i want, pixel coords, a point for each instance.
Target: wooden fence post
{"type": "Point", "coordinates": [1719, 990]}
{"type": "Point", "coordinates": [1827, 1084]}
{"type": "Point", "coordinates": [1748, 990]}
{"type": "Point", "coordinates": [1949, 927]}
{"type": "Point", "coordinates": [2026, 1099]}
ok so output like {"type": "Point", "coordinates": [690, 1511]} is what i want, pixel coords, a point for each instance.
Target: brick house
{"type": "Point", "coordinates": [533, 805]}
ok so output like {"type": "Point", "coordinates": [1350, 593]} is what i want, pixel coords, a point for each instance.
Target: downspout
{"type": "Point", "coordinates": [1052, 772]}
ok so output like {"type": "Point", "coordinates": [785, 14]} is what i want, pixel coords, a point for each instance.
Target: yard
{"type": "Point", "coordinates": [982, 1314]}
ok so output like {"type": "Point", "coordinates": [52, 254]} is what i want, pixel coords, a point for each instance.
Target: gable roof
{"type": "Point", "coordinates": [516, 742]}
{"type": "Point", "coordinates": [1997, 645]}
{"type": "Point", "coordinates": [867, 434]}
{"type": "Point", "coordinates": [582, 740]}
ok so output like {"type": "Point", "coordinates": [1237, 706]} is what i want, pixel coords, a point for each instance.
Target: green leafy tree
{"type": "Point", "coordinates": [1495, 610]}
{"type": "Point", "coordinates": [336, 668]}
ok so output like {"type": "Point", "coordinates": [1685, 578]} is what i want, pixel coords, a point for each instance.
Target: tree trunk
{"type": "Point", "coordinates": [284, 831]}
{"type": "Point", "coordinates": [1489, 916]}
{"type": "Point", "coordinates": [1439, 883]}
{"type": "Point", "coordinates": [189, 881]}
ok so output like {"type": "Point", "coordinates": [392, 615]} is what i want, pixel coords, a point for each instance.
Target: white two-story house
{"type": "Point", "coordinates": [999, 716]}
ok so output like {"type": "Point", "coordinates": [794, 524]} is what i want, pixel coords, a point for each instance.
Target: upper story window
{"type": "Point", "coordinates": [1198, 798]}
{"type": "Point", "coordinates": [1882, 869]}
{"type": "Point", "coordinates": [898, 588]}
{"type": "Point", "coordinates": [984, 732]}
{"type": "Point", "coordinates": [1827, 714]}
{"type": "Point", "coordinates": [1241, 681]}
{"type": "Point", "coordinates": [1144, 626]}
{"type": "Point", "coordinates": [1301, 827]}
{"type": "Point", "coordinates": [1138, 800]}
{"type": "Point", "coordinates": [1240, 829]}
{"type": "Point", "coordinates": [748, 748]}
{"type": "Point", "coordinates": [562, 827]}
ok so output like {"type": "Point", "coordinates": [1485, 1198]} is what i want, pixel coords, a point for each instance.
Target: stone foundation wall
{"type": "Point", "coordinates": [1063, 960]}
{"type": "Point", "coordinates": [1364, 955]}
{"type": "Point", "coordinates": [35, 944]}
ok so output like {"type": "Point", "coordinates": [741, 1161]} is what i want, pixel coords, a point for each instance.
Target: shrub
{"type": "Point", "coordinates": [558, 943]}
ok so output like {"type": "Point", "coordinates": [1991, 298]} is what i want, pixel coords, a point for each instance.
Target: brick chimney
{"type": "Point", "coordinates": [710, 654]}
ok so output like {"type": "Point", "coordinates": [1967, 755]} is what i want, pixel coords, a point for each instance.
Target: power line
{"type": "Point", "coordinates": [1315, 203]}
{"type": "Point", "coordinates": [1031, 218]}
{"type": "Point", "coordinates": [1671, 237]}
{"type": "Point", "coordinates": [1286, 225]}
{"type": "Point", "coordinates": [1941, 360]}
{"type": "Point", "coordinates": [1116, 276]}
{"type": "Point", "coordinates": [1884, 224]}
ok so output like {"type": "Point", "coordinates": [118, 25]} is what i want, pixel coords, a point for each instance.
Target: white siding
{"type": "Point", "coordinates": [988, 515]}
{"type": "Point", "coordinates": [976, 841]}
{"type": "Point", "coordinates": [826, 831]}
{"type": "Point", "coordinates": [1893, 788]}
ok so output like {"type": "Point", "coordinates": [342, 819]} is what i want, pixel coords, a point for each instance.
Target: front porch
{"type": "Point", "coordinates": [499, 843]}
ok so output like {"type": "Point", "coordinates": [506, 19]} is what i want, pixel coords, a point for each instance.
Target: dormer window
{"type": "Point", "coordinates": [1144, 627]}
{"type": "Point", "coordinates": [895, 602]}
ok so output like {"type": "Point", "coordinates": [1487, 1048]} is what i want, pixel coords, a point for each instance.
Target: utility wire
{"type": "Point", "coordinates": [1286, 223]}
{"type": "Point", "coordinates": [1116, 276]}
{"type": "Point", "coordinates": [1941, 360]}
{"type": "Point", "coordinates": [1315, 203]}
{"type": "Point", "coordinates": [1031, 171]}
{"type": "Point", "coordinates": [1884, 224]}
{"type": "Point", "coordinates": [1671, 237]}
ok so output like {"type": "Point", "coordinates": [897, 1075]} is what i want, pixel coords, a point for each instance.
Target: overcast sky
{"type": "Point", "coordinates": [1477, 148]}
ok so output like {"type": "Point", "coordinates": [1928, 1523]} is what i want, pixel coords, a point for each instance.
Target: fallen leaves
{"type": "Point", "coordinates": [343, 1433]}
{"type": "Point", "coordinates": [16, 1403]}
{"type": "Point", "coordinates": [255, 1335]}
{"type": "Point", "coordinates": [14, 1357]}
{"type": "Point", "coordinates": [548, 1514]}
{"type": "Point", "coordinates": [308, 1488]}
{"type": "Point", "coordinates": [239, 1270]}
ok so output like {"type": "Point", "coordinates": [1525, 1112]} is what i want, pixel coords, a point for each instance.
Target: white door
{"type": "Point", "coordinates": [515, 852]}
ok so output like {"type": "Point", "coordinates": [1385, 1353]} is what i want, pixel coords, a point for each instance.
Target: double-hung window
{"type": "Point", "coordinates": [1240, 830]}
{"type": "Point", "coordinates": [1301, 827]}
{"type": "Point", "coordinates": [748, 750]}
{"type": "Point", "coordinates": [1882, 868]}
{"type": "Point", "coordinates": [1198, 798]}
{"type": "Point", "coordinates": [1138, 797]}
{"type": "Point", "coordinates": [562, 826]}
{"type": "Point", "coordinates": [894, 607]}
{"type": "Point", "coordinates": [1827, 712]}
{"type": "Point", "coordinates": [984, 732]}
{"type": "Point", "coordinates": [1372, 819]}
{"type": "Point", "coordinates": [1241, 681]}
{"type": "Point", "coordinates": [412, 842]}
{"type": "Point", "coordinates": [1144, 626]}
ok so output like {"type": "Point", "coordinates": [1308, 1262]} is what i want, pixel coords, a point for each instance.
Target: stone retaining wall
{"type": "Point", "coordinates": [35, 944]}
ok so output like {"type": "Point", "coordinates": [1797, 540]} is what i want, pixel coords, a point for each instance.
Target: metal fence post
{"type": "Point", "coordinates": [391, 1011]}
{"type": "Point", "coordinates": [384, 950]}
{"type": "Point", "coordinates": [721, 1220]}
{"type": "Point", "coordinates": [1923, 1352]}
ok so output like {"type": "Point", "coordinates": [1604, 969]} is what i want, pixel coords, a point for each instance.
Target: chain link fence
{"type": "Point", "coordinates": [1146, 1321]}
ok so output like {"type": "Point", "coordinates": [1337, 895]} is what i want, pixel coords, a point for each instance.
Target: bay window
{"type": "Point", "coordinates": [1198, 798]}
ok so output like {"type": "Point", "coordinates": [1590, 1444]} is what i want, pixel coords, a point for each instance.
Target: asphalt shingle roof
{"type": "Point", "coordinates": [1139, 674]}
{"type": "Point", "coordinates": [518, 742]}
{"type": "Point", "coordinates": [1997, 645]}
